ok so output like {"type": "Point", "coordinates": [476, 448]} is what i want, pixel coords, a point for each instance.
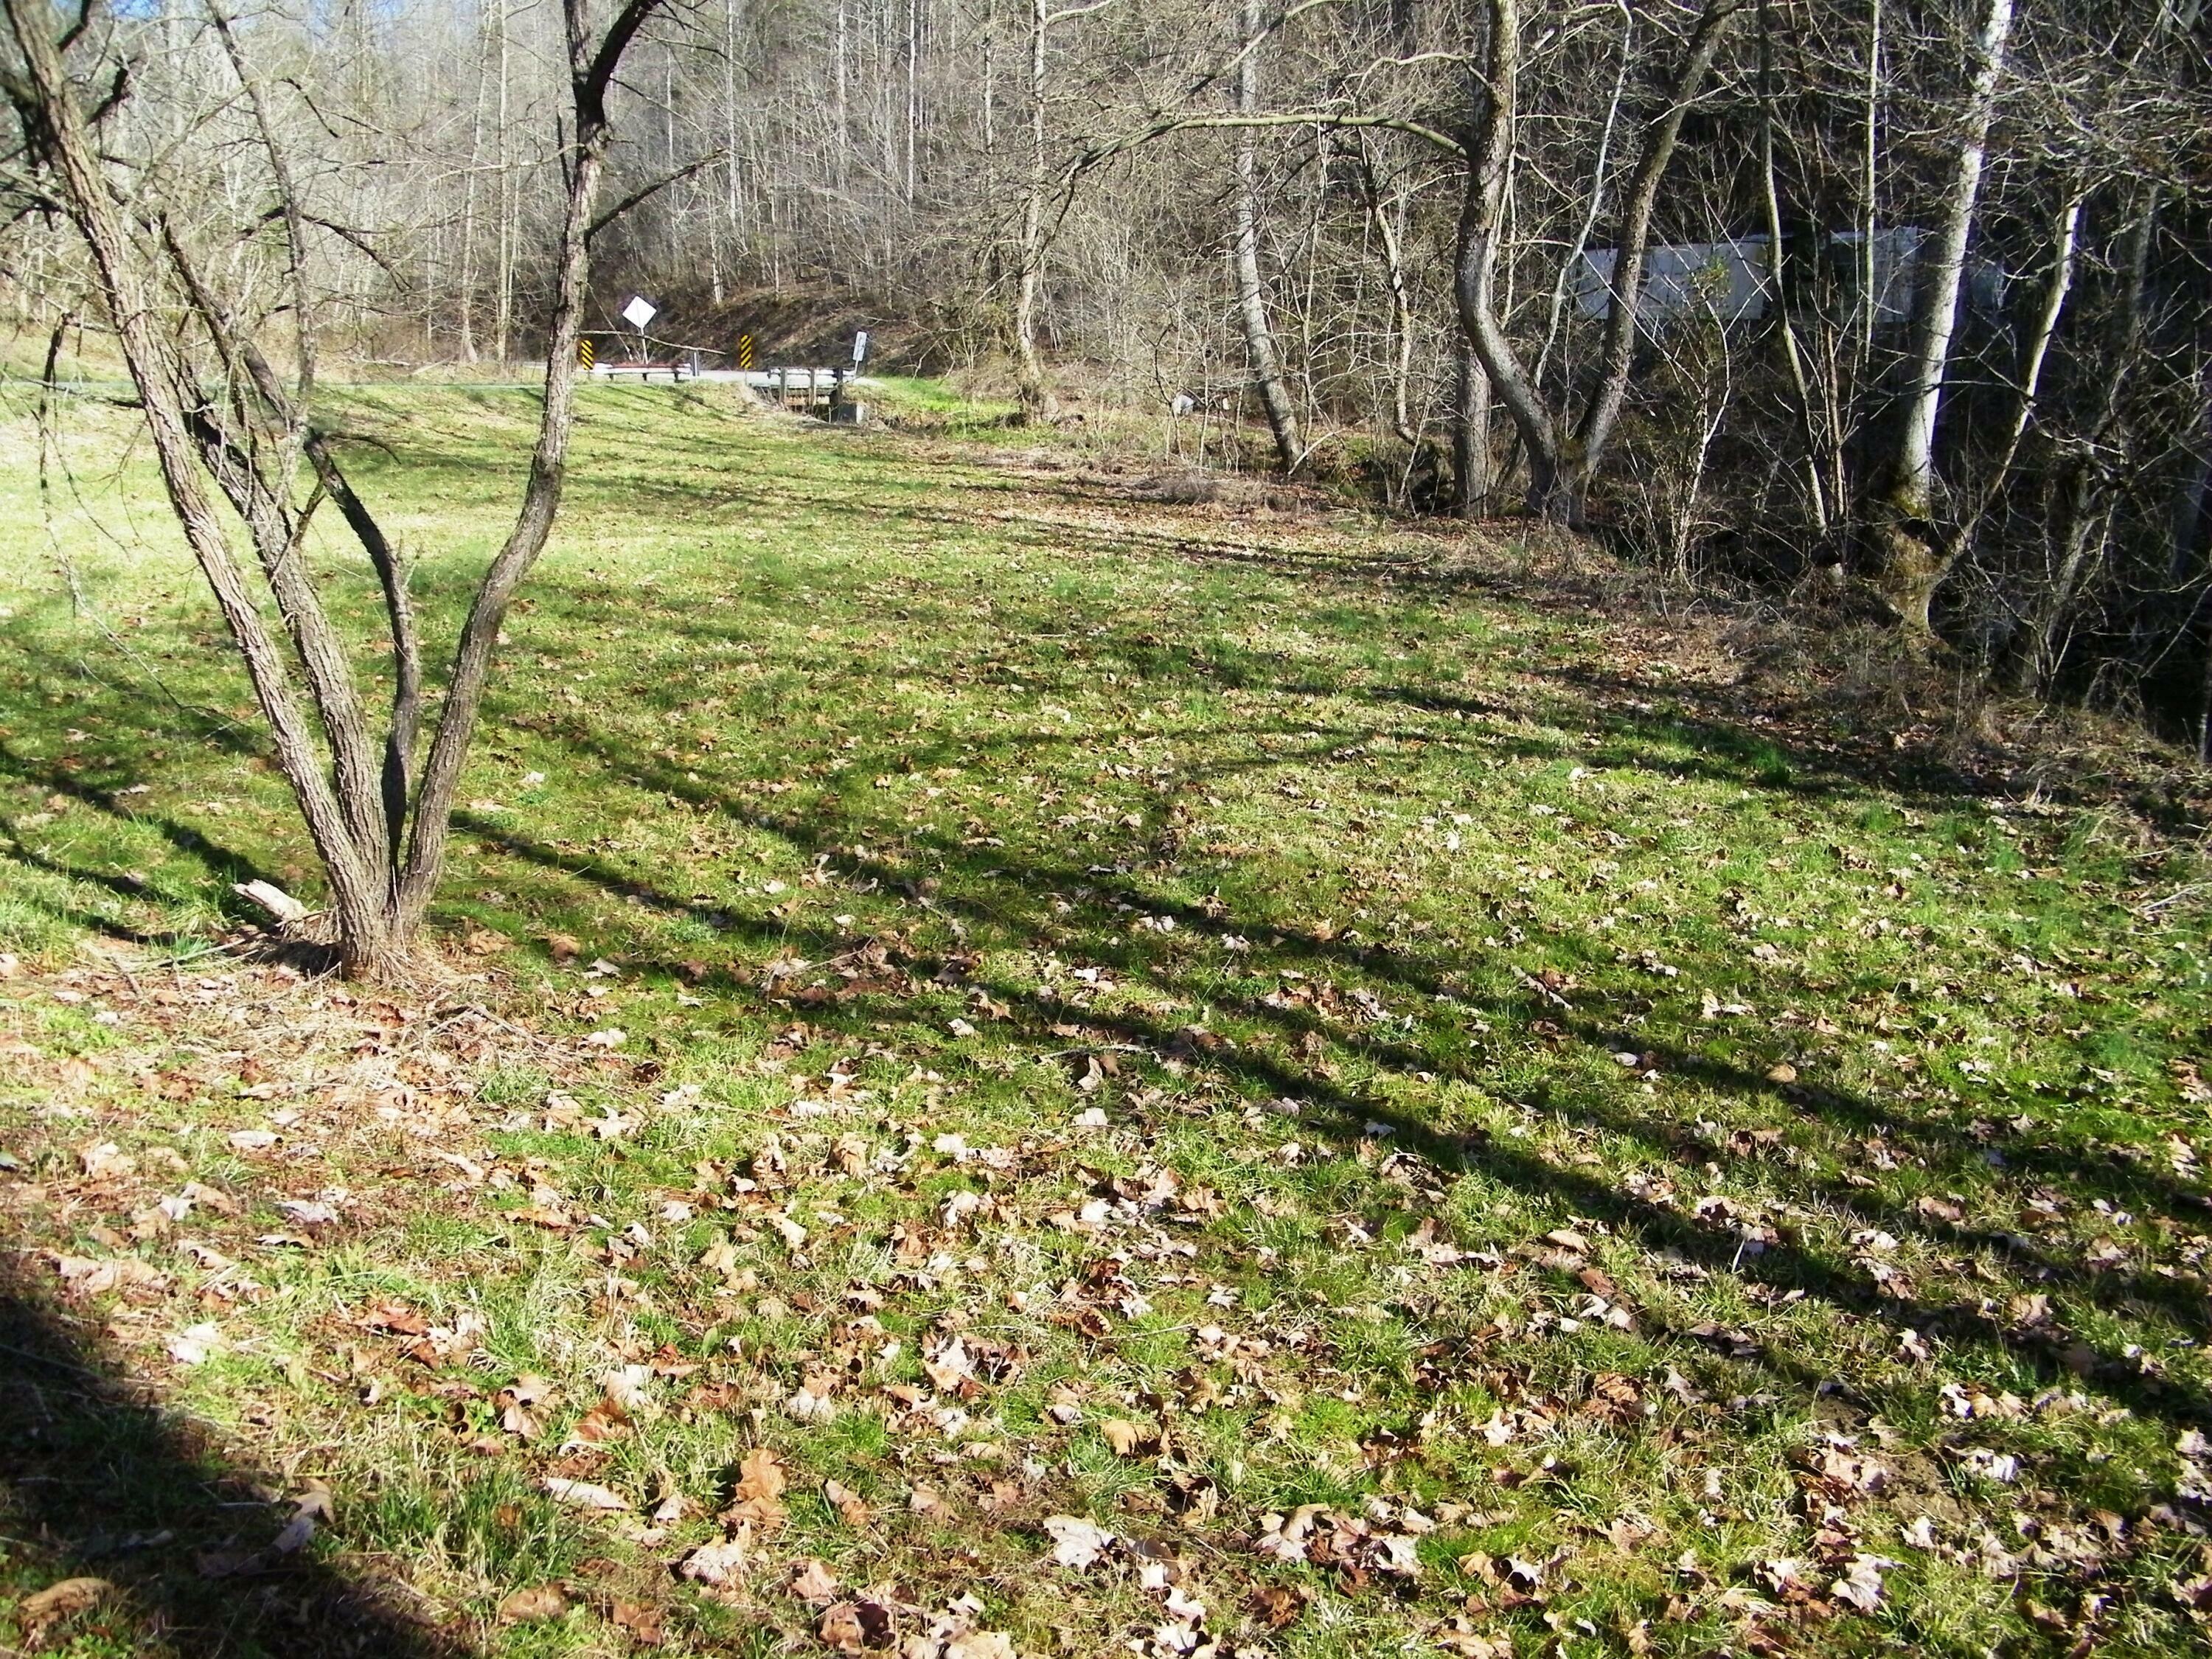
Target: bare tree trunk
{"type": "Point", "coordinates": [1906, 551]}
{"type": "Point", "coordinates": [1489, 147]}
{"type": "Point", "coordinates": [1471, 467]}
{"type": "Point", "coordinates": [990, 88]}
{"type": "Point", "coordinates": [913, 92]}
{"type": "Point", "coordinates": [1401, 312]}
{"type": "Point", "coordinates": [468, 294]}
{"type": "Point", "coordinates": [2084, 519]}
{"type": "Point", "coordinates": [732, 200]}
{"type": "Point", "coordinates": [1617, 356]}
{"type": "Point", "coordinates": [1556, 315]}
{"type": "Point", "coordinates": [247, 438]}
{"type": "Point", "coordinates": [509, 196]}
{"type": "Point", "coordinates": [592, 68]}
{"type": "Point", "coordinates": [1785, 323]}
{"type": "Point", "coordinates": [841, 139]}
{"type": "Point", "coordinates": [1251, 302]}
{"type": "Point", "coordinates": [2065, 240]}
{"type": "Point", "coordinates": [1031, 389]}
{"type": "Point", "coordinates": [1869, 197]}
{"type": "Point", "coordinates": [1561, 463]}
{"type": "Point", "coordinates": [147, 353]}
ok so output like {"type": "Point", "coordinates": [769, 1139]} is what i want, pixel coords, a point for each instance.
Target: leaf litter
{"type": "Point", "coordinates": [1186, 1261]}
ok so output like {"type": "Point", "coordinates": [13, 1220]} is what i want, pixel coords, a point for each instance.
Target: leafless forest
{"type": "Point", "coordinates": [1899, 308]}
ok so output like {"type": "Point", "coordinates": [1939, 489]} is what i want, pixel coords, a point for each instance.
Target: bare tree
{"type": "Point", "coordinates": [225, 427]}
{"type": "Point", "coordinates": [1909, 554]}
{"type": "Point", "coordinates": [1031, 385]}
{"type": "Point", "coordinates": [1251, 299]}
{"type": "Point", "coordinates": [1563, 458]}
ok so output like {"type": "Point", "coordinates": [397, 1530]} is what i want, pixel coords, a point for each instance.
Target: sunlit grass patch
{"type": "Point", "coordinates": [1025, 1004]}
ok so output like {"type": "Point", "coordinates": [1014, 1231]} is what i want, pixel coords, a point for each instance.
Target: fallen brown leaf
{"type": "Point", "coordinates": [532, 1605]}
{"type": "Point", "coordinates": [584, 1494]}
{"type": "Point", "coordinates": [814, 1583]}
{"type": "Point", "coordinates": [760, 1488]}
{"type": "Point", "coordinates": [59, 1601]}
{"type": "Point", "coordinates": [1279, 1608]}
{"type": "Point", "coordinates": [842, 1629]}
{"type": "Point", "coordinates": [851, 1507]}
{"type": "Point", "coordinates": [716, 1564]}
{"type": "Point", "coordinates": [640, 1621]}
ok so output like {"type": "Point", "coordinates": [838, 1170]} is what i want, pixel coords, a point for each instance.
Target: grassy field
{"type": "Point", "coordinates": [1033, 1072]}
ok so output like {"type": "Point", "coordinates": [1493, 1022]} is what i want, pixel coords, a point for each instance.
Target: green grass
{"type": "Point", "coordinates": [1532, 1091]}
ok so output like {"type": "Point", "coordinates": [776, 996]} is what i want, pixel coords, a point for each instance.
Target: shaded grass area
{"type": "Point", "coordinates": [1147, 1015]}
{"type": "Point", "coordinates": [105, 1478]}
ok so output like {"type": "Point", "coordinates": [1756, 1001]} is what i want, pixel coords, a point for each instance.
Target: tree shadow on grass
{"type": "Point", "coordinates": [228, 865]}
{"type": "Point", "coordinates": [1005, 899]}
{"type": "Point", "coordinates": [98, 1482]}
{"type": "Point", "coordinates": [991, 888]}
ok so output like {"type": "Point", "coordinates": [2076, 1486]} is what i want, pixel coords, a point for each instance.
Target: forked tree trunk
{"type": "Point", "coordinates": [381, 854]}
{"type": "Point", "coordinates": [1617, 356]}
{"type": "Point", "coordinates": [1562, 460]}
{"type": "Point", "coordinates": [1495, 85]}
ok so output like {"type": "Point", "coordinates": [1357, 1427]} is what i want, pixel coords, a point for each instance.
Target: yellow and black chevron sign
{"type": "Point", "coordinates": [584, 355]}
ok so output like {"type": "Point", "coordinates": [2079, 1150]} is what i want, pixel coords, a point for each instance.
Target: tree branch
{"type": "Point", "coordinates": [638, 198]}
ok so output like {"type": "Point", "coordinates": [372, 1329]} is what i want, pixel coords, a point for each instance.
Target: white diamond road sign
{"type": "Point", "coordinates": [640, 312]}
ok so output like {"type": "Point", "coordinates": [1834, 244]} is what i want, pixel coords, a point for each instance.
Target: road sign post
{"type": "Point", "coordinates": [637, 314]}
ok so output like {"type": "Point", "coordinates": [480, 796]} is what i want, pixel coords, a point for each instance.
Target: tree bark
{"type": "Point", "coordinates": [1785, 323]}
{"type": "Point", "coordinates": [1251, 300]}
{"type": "Point", "coordinates": [2083, 488]}
{"type": "Point", "coordinates": [510, 195]}
{"type": "Point", "coordinates": [161, 378]}
{"type": "Point", "coordinates": [1471, 463]}
{"type": "Point", "coordinates": [1401, 310]}
{"type": "Point", "coordinates": [1495, 85]}
{"type": "Point", "coordinates": [1907, 553]}
{"type": "Point", "coordinates": [1562, 461]}
{"type": "Point", "coordinates": [1031, 391]}
{"type": "Point", "coordinates": [1617, 356]}
{"type": "Point", "coordinates": [591, 71]}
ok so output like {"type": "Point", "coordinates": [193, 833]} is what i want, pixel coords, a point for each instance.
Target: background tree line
{"type": "Point", "coordinates": [1905, 300]}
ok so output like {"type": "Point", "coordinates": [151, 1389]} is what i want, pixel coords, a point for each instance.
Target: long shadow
{"type": "Point", "coordinates": [1002, 891]}
{"type": "Point", "coordinates": [90, 922]}
{"type": "Point", "coordinates": [226, 864]}
{"type": "Point", "coordinates": [98, 1482]}
{"type": "Point", "coordinates": [962, 498]}
{"type": "Point", "coordinates": [1004, 895]}
{"type": "Point", "coordinates": [1725, 753]}
{"type": "Point", "coordinates": [2124, 1183]}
